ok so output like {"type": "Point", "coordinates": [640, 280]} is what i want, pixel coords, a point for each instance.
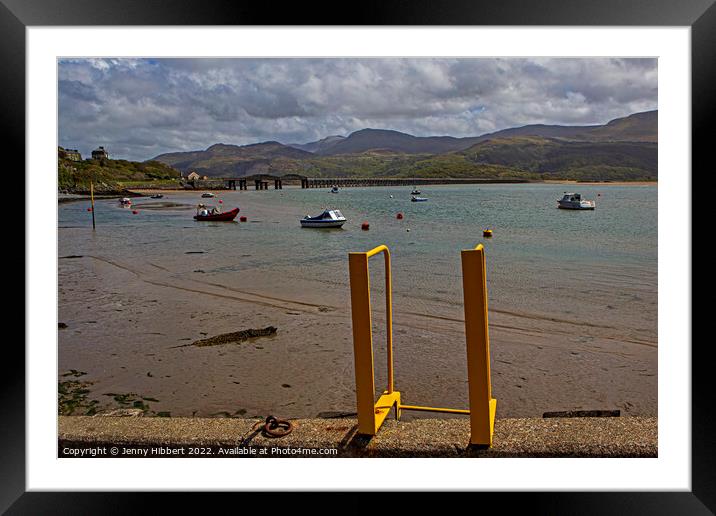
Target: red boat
{"type": "Point", "coordinates": [212, 215]}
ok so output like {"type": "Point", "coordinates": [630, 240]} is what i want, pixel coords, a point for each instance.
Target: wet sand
{"type": "Point", "coordinates": [128, 319]}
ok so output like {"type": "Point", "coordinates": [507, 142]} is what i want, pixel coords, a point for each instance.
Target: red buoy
{"type": "Point", "coordinates": [220, 201]}
{"type": "Point", "coordinates": [399, 216]}
{"type": "Point", "coordinates": [242, 218]}
{"type": "Point", "coordinates": [365, 226]}
{"type": "Point", "coordinates": [89, 209]}
{"type": "Point", "coordinates": [135, 211]}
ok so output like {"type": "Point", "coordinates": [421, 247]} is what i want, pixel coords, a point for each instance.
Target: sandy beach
{"type": "Point", "coordinates": [129, 319]}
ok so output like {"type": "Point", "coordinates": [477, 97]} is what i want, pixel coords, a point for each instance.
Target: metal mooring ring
{"type": "Point", "coordinates": [277, 427]}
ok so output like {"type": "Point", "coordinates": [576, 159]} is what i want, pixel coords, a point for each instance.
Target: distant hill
{"type": "Point", "coordinates": [636, 127]}
{"type": "Point", "coordinates": [639, 127]}
{"type": "Point", "coordinates": [320, 146]}
{"type": "Point", "coordinates": [394, 141]}
{"type": "Point", "coordinates": [623, 149]}
{"type": "Point", "coordinates": [221, 160]}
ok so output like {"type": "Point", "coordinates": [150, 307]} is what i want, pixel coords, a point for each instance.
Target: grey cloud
{"type": "Point", "coordinates": [141, 107]}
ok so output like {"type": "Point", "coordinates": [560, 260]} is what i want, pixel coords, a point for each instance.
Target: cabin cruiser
{"type": "Point", "coordinates": [418, 199]}
{"type": "Point", "coordinates": [574, 201]}
{"type": "Point", "coordinates": [327, 219]}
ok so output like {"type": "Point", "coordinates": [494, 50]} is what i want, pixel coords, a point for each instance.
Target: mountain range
{"type": "Point", "coordinates": [622, 149]}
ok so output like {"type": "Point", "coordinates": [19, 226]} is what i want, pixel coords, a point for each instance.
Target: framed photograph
{"type": "Point", "coordinates": [205, 189]}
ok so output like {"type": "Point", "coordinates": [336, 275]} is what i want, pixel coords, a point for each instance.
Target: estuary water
{"type": "Point", "coordinates": [572, 294]}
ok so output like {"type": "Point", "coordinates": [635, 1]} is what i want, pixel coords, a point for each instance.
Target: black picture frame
{"type": "Point", "coordinates": [700, 15]}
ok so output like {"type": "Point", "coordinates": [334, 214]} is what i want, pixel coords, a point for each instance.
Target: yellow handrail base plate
{"type": "Point", "coordinates": [480, 436]}
{"type": "Point", "coordinates": [380, 412]}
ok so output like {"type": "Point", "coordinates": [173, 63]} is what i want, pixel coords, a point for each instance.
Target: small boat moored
{"type": "Point", "coordinates": [157, 196]}
{"type": "Point", "coordinates": [415, 191]}
{"type": "Point", "coordinates": [418, 199]}
{"type": "Point", "coordinates": [212, 213]}
{"type": "Point", "coordinates": [574, 201]}
{"type": "Point", "coordinates": [327, 219]}
{"type": "Point", "coordinates": [334, 189]}
{"type": "Point", "coordinates": [487, 233]}
{"type": "Point", "coordinates": [208, 195]}
{"type": "Point", "coordinates": [125, 202]}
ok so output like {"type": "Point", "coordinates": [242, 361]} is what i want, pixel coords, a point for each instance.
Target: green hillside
{"type": "Point", "coordinates": [553, 158]}
{"type": "Point", "coordinates": [505, 158]}
{"type": "Point", "coordinates": [112, 175]}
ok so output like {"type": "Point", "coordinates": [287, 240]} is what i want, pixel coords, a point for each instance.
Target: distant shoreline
{"type": "Point", "coordinates": [615, 183]}
{"type": "Point", "coordinates": [151, 191]}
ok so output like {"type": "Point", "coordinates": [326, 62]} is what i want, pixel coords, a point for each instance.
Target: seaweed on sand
{"type": "Point", "coordinates": [73, 396]}
{"type": "Point", "coordinates": [233, 337]}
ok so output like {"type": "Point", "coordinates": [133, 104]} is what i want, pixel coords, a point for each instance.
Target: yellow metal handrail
{"type": "Point", "coordinates": [371, 414]}
{"type": "Point", "coordinates": [388, 310]}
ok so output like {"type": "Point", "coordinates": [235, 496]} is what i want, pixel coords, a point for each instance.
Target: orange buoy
{"type": "Point", "coordinates": [365, 226]}
{"type": "Point", "coordinates": [399, 216]}
{"type": "Point", "coordinates": [242, 218]}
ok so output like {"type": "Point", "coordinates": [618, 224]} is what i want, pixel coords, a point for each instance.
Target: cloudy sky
{"type": "Point", "coordinates": [139, 108]}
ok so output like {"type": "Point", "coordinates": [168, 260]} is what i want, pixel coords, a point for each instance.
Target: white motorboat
{"type": "Point", "coordinates": [327, 219]}
{"type": "Point", "coordinates": [415, 191]}
{"type": "Point", "coordinates": [418, 199]}
{"type": "Point", "coordinates": [125, 201]}
{"type": "Point", "coordinates": [208, 195]}
{"type": "Point", "coordinates": [334, 189]}
{"type": "Point", "coordinates": [574, 201]}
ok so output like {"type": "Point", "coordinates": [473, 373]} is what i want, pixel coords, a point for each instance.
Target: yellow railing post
{"type": "Point", "coordinates": [482, 404]}
{"type": "Point", "coordinates": [370, 414]}
{"type": "Point", "coordinates": [362, 341]}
